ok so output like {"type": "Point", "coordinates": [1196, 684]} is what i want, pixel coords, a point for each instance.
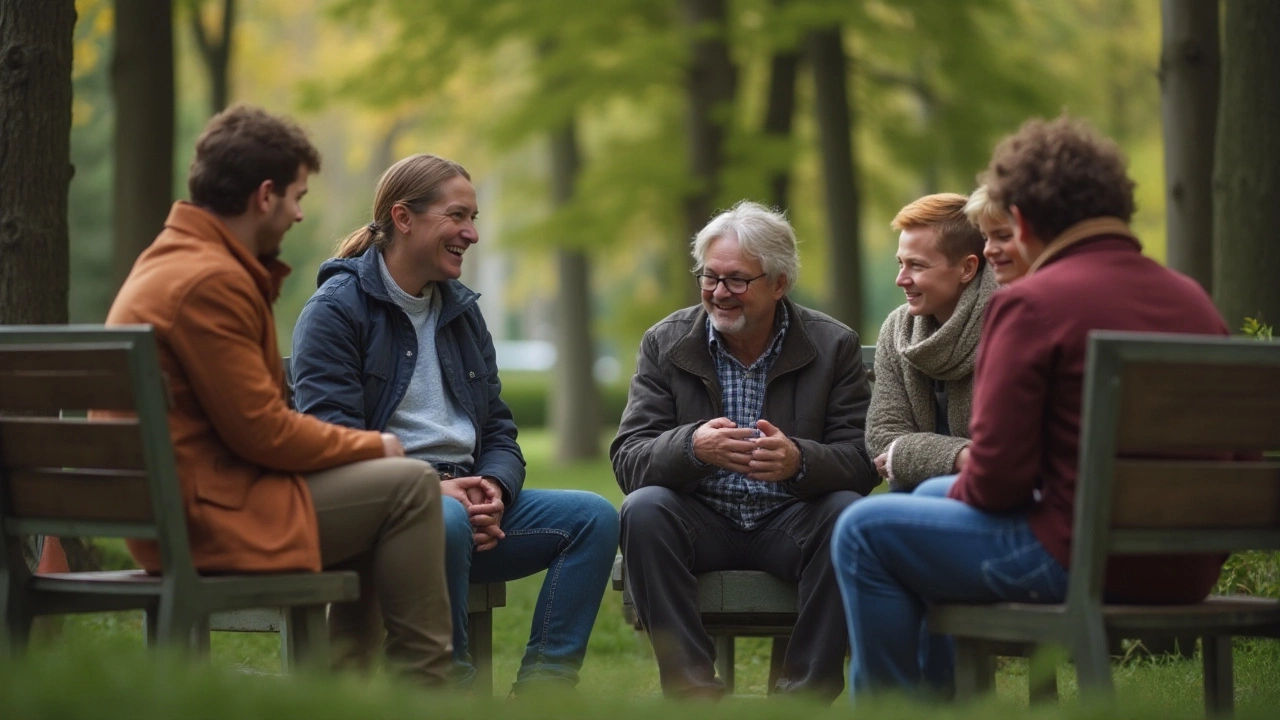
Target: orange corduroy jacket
{"type": "Point", "coordinates": [240, 450]}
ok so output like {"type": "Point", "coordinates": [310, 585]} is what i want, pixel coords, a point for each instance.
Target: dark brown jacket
{"type": "Point", "coordinates": [816, 393]}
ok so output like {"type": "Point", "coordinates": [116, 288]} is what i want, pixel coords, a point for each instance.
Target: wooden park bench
{"type": "Point", "coordinates": [63, 474]}
{"type": "Point", "coordinates": [740, 603]}
{"type": "Point", "coordinates": [1155, 407]}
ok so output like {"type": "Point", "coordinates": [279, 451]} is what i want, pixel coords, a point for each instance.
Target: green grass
{"type": "Point", "coordinates": [97, 667]}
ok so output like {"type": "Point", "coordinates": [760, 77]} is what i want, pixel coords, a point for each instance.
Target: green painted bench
{"type": "Point", "coordinates": [62, 474]}
{"type": "Point", "coordinates": [1147, 397]}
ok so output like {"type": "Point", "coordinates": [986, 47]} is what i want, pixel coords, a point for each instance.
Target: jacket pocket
{"type": "Point", "coordinates": [227, 486]}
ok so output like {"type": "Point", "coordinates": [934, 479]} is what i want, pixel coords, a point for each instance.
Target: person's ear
{"type": "Point", "coordinates": [969, 268]}
{"type": "Point", "coordinates": [401, 218]}
{"type": "Point", "coordinates": [780, 286]}
{"type": "Point", "coordinates": [1025, 241]}
{"type": "Point", "coordinates": [262, 195]}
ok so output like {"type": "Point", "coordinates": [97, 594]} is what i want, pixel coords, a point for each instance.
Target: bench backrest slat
{"type": "Point", "coordinates": [79, 495]}
{"type": "Point", "coordinates": [70, 468]}
{"type": "Point", "coordinates": [76, 443]}
{"type": "Point", "coordinates": [1185, 407]}
{"type": "Point", "coordinates": [44, 379]}
{"type": "Point", "coordinates": [1164, 416]}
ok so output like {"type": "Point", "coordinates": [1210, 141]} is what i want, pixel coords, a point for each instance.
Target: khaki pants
{"type": "Point", "coordinates": [382, 518]}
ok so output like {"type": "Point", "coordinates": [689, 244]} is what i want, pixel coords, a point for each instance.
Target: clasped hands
{"type": "Point", "coordinates": [762, 452]}
{"type": "Point", "coordinates": [483, 500]}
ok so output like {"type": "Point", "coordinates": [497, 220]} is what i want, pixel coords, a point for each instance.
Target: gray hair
{"type": "Point", "coordinates": [762, 233]}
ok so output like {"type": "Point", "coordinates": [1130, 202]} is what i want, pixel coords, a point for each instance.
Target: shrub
{"type": "Point", "coordinates": [529, 397]}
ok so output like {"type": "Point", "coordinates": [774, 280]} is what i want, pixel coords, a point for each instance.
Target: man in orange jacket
{"type": "Point", "coordinates": [266, 488]}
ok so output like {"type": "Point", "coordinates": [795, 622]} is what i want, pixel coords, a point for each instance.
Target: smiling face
{"type": "Point", "coordinates": [748, 316]}
{"type": "Point", "coordinates": [436, 238]}
{"type": "Point", "coordinates": [1000, 251]}
{"type": "Point", "coordinates": [932, 284]}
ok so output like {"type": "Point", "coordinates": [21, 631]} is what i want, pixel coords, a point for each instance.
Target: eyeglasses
{"type": "Point", "coordinates": [735, 285]}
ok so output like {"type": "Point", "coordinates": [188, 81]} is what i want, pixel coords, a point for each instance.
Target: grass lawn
{"type": "Point", "coordinates": [96, 667]}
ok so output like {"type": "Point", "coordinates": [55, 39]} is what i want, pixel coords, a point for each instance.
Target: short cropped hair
{"type": "Point", "coordinates": [240, 148]}
{"type": "Point", "coordinates": [1059, 172]}
{"type": "Point", "coordinates": [981, 208]}
{"type": "Point", "coordinates": [762, 233]}
{"type": "Point", "coordinates": [944, 212]}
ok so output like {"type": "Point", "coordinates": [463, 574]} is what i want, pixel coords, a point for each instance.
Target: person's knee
{"type": "Point", "coordinates": [846, 529]}
{"type": "Point", "coordinates": [832, 505]}
{"type": "Point", "coordinates": [646, 512]}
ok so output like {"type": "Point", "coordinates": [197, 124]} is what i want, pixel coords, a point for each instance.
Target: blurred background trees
{"type": "Point", "coordinates": [601, 134]}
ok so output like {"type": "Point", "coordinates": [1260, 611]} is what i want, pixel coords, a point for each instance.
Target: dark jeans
{"type": "Point", "coordinates": [669, 538]}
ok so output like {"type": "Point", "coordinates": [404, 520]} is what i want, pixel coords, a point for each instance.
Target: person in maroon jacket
{"type": "Point", "coordinates": [1002, 530]}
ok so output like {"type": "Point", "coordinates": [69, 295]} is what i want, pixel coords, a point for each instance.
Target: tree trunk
{"type": "Point", "coordinates": [142, 83]}
{"type": "Point", "coordinates": [840, 182]}
{"type": "Point", "coordinates": [1189, 74]}
{"type": "Point", "coordinates": [709, 90]}
{"type": "Point", "coordinates": [575, 417]}
{"type": "Point", "coordinates": [1246, 258]}
{"type": "Point", "coordinates": [783, 68]}
{"type": "Point", "coordinates": [216, 52]}
{"type": "Point", "coordinates": [35, 168]}
{"type": "Point", "coordinates": [35, 159]}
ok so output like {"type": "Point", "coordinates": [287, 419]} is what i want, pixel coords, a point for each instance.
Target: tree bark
{"type": "Point", "coordinates": [142, 83]}
{"type": "Point", "coordinates": [784, 66]}
{"type": "Point", "coordinates": [709, 89]}
{"type": "Point", "coordinates": [1189, 75]}
{"type": "Point", "coordinates": [840, 181]}
{"type": "Point", "coordinates": [1246, 258]}
{"type": "Point", "coordinates": [35, 159]}
{"type": "Point", "coordinates": [575, 401]}
{"type": "Point", "coordinates": [215, 51]}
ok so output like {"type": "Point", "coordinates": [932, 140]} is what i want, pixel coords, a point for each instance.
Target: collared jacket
{"type": "Point", "coordinates": [355, 350]}
{"type": "Point", "coordinates": [240, 451]}
{"type": "Point", "coordinates": [1028, 390]}
{"type": "Point", "coordinates": [816, 393]}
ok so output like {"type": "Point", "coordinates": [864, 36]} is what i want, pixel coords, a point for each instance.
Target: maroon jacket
{"type": "Point", "coordinates": [1028, 395]}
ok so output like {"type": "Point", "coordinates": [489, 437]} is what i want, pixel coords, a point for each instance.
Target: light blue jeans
{"type": "Point", "coordinates": [895, 554]}
{"type": "Point", "coordinates": [573, 535]}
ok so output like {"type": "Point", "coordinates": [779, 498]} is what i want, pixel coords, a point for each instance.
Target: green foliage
{"type": "Point", "coordinates": [1253, 572]}
{"type": "Point", "coordinates": [529, 394]}
{"type": "Point", "coordinates": [1256, 329]}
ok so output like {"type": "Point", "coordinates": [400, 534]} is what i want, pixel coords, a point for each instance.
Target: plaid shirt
{"type": "Point", "coordinates": [734, 495]}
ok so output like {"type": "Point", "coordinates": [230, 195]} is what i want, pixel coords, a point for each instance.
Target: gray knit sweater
{"type": "Point", "coordinates": [911, 352]}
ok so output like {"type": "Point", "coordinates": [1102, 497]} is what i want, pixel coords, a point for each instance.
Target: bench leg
{"type": "Point", "coordinates": [724, 661]}
{"type": "Point", "coordinates": [1219, 681]}
{"type": "Point", "coordinates": [975, 668]}
{"type": "Point", "coordinates": [777, 662]}
{"type": "Point", "coordinates": [1042, 677]}
{"type": "Point", "coordinates": [1093, 660]}
{"type": "Point", "coordinates": [480, 643]}
{"type": "Point", "coordinates": [305, 637]}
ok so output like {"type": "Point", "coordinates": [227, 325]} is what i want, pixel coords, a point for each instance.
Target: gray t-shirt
{"type": "Point", "coordinates": [428, 421]}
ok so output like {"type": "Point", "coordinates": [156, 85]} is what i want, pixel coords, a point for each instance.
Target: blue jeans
{"type": "Point", "coordinates": [573, 535]}
{"type": "Point", "coordinates": [895, 554]}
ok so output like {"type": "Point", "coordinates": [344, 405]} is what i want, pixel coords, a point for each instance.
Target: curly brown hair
{"type": "Point", "coordinates": [240, 148]}
{"type": "Point", "coordinates": [1059, 172]}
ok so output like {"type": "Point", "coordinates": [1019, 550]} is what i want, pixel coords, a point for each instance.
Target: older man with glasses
{"type": "Point", "coordinates": [741, 443]}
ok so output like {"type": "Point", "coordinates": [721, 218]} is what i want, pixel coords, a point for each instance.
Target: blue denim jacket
{"type": "Point", "coordinates": [354, 351]}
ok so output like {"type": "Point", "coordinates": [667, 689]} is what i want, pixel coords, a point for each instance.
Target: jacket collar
{"type": "Point", "coordinates": [455, 297]}
{"type": "Point", "coordinates": [199, 224]}
{"type": "Point", "coordinates": [691, 353]}
{"type": "Point", "coordinates": [1080, 232]}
